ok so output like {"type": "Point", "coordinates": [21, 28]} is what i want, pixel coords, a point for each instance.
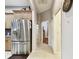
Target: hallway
{"type": "Point", "coordinates": [34, 28]}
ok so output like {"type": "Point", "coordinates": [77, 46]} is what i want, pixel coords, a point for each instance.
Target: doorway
{"type": "Point", "coordinates": [45, 31]}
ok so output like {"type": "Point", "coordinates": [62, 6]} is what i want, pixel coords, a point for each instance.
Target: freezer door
{"type": "Point", "coordinates": [20, 47]}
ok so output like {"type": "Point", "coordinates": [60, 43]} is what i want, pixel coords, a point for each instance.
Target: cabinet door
{"type": "Point", "coordinates": [7, 44]}
{"type": "Point", "coordinates": [7, 23]}
{"type": "Point", "coordinates": [8, 20]}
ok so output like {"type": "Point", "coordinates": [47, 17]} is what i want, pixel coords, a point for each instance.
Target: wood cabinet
{"type": "Point", "coordinates": [8, 18]}
{"type": "Point", "coordinates": [23, 14]}
{"type": "Point", "coordinates": [7, 43]}
{"type": "Point", "coordinates": [17, 14]}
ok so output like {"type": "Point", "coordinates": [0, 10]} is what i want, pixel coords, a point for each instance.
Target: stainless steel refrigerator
{"type": "Point", "coordinates": [20, 35]}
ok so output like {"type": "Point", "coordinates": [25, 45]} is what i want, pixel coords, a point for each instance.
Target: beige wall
{"type": "Point", "coordinates": [57, 35]}
{"type": "Point", "coordinates": [57, 31]}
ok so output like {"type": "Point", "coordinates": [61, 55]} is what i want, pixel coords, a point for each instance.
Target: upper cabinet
{"type": "Point", "coordinates": [17, 14]}
{"type": "Point", "coordinates": [27, 14]}
{"type": "Point", "coordinates": [8, 18]}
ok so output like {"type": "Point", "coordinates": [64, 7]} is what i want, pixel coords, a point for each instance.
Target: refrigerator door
{"type": "Point", "coordinates": [21, 30]}
{"type": "Point", "coordinates": [15, 30]}
{"type": "Point", "coordinates": [20, 36]}
{"type": "Point", "coordinates": [24, 30]}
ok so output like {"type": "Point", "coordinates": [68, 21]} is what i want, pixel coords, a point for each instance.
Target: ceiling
{"type": "Point", "coordinates": [16, 5]}
{"type": "Point", "coordinates": [40, 5]}
{"type": "Point", "coordinates": [56, 6]}
{"type": "Point", "coordinates": [17, 2]}
{"type": "Point", "coordinates": [44, 5]}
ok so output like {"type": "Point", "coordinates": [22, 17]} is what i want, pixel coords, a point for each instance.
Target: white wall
{"type": "Point", "coordinates": [39, 29]}
{"type": "Point", "coordinates": [34, 27]}
{"type": "Point", "coordinates": [67, 35]}
{"type": "Point", "coordinates": [34, 30]}
{"type": "Point", "coordinates": [51, 32]}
